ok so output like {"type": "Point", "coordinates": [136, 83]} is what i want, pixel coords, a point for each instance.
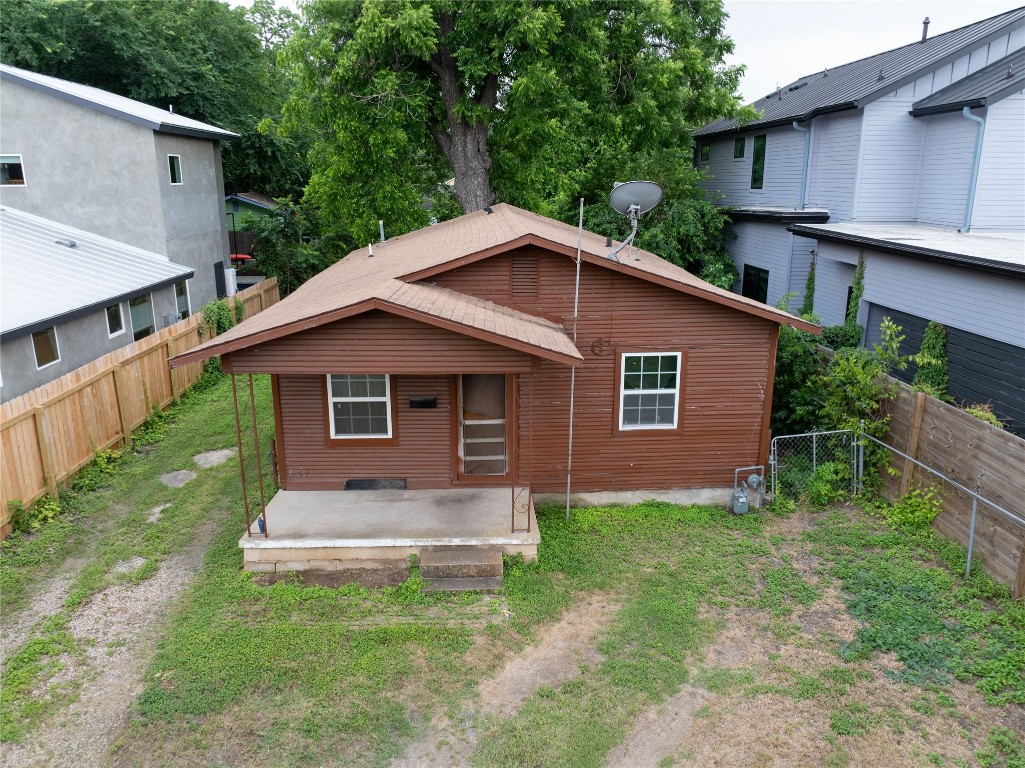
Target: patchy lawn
{"type": "Point", "coordinates": [651, 635]}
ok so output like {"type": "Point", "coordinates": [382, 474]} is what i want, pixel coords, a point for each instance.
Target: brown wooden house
{"type": "Point", "coordinates": [422, 384]}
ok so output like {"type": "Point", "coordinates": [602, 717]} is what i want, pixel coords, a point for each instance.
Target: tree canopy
{"type": "Point", "coordinates": [534, 103]}
{"type": "Point", "coordinates": [209, 61]}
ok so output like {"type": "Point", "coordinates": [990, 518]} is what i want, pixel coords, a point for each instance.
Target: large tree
{"type": "Point", "coordinates": [531, 102]}
{"type": "Point", "coordinates": [209, 61]}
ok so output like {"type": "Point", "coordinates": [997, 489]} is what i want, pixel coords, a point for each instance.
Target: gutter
{"type": "Point", "coordinates": [804, 168]}
{"type": "Point", "coordinates": [976, 158]}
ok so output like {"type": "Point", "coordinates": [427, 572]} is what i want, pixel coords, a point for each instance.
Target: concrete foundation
{"type": "Point", "coordinates": [713, 497]}
{"type": "Point", "coordinates": [339, 530]}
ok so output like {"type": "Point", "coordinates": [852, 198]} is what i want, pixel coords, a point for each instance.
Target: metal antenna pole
{"type": "Point", "coordinates": [573, 371]}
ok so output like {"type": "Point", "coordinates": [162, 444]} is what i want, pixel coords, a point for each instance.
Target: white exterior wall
{"type": "Point", "coordinates": [766, 245]}
{"type": "Point", "coordinates": [978, 302]}
{"type": "Point", "coordinates": [731, 177]}
{"type": "Point", "coordinates": [836, 141]}
{"type": "Point", "coordinates": [834, 274]}
{"type": "Point", "coordinates": [1000, 189]}
{"type": "Point", "coordinates": [800, 263]}
{"type": "Point", "coordinates": [946, 169]}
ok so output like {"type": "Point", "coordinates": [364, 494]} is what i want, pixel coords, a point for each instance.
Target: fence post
{"type": "Point", "coordinates": [172, 373]}
{"type": "Point", "coordinates": [119, 393]}
{"type": "Point", "coordinates": [49, 473]}
{"type": "Point", "coordinates": [1019, 581]}
{"type": "Point", "coordinates": [916, 428]}
{"type": "Point", "coordinates": [861, 457]}
{"type": "Point", "coordinates": [971, 536]}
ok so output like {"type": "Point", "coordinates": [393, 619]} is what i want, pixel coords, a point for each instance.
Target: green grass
{"type": "Point", "coordinates": [104, 521]}
{"type": "Point", "coordinates": [908, 590]}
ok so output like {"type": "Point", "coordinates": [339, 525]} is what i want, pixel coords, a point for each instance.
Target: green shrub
{"type": "Point", "coordinates": [842, 336]}
{"type": "Point", "coordinates": [984, 411]}
{"type": "Point", "coordinates": [808, 305]}
{"type": "Point", "coordinates": [217, 317]}
{"type": "Point", "coordinates": [914, 511]}
{"type": "Point", "coordinates": [34, 517]}
{"type": "Point", "coordinates": [829, 482]}
{"type": "Point", "coordinates": [931, 376]}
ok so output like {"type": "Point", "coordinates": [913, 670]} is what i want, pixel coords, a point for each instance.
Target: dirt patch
{"type": "Point", "coordinates": [47, 600]}
{"type": "Point", "coordinates": [154, 514]}
{"type": "Point", "coordinates": [553, 659]}
{"type": "Point", "coordinates": [659, 731]}
{"type": "Point", "coordinates": [116, 630]}
{"type": "Point", "coordinates": [127, 566]}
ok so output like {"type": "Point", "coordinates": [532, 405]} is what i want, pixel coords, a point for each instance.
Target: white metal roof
{"type": "Point", "coordinates": [43, 281]}
{"type": "Point", "coordinates": [1001, 249]}
{"type": "Point", "coordinates": [118, 106]}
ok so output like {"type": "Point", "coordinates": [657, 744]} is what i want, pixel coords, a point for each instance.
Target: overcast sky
{"type": "Point", "coordinates": [782, 41]}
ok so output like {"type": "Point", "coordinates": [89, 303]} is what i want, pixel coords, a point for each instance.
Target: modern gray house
{"type": "Point", "coordinates": [914, 161]}
{"type": "Point", "coordinates": [118, 168]}
{"type": "Point", "coordinates": [69, 296]}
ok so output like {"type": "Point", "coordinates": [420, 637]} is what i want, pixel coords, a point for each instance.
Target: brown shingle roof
{"type": "Point", "coordinates": [388, 280]}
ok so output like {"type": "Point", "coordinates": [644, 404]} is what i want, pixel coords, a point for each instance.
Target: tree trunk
{"type": "Point", "coordinates": [468, 155]}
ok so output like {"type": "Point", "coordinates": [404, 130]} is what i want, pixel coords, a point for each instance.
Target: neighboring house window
{"type": "Point", "coordinates": [44, 344]}
{"type": "Point", "coordinates": [756, 283]}
{"type": "Point", "coordinates": [705, 152]}
{"type": "Point", "coordinates": [11, 172]}
{"type": "Point", "coordinates": [738, 147]}
{"type": "Point", "coordinates": [758, 163]}
{"type": "Point", "coordinates": [649, 393]}
{"type": "Point", "coordinates": [141, 311]}
{"type": "Point", "coordinates": [359, 405]}
{"type": "Point", "coordinates": [181, 298]}
{"type": "Point", "coordinates": [115, 320]}
{"type": "Point", "coordinates": [174, 167]}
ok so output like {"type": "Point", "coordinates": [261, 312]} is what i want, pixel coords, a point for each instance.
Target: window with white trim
{"type": "Point", "coordinates": [649, 392]}
{"type": "Point", "coordinates": [174, 168]}
{"type": "Point", "coordinates": [44, 345]}
{"type": "Point", "coordinates": [12, 173]}
{"type": "Point", "coordinates": [115, 320]}
{"type": "Point", "coordinates": [359, 405]}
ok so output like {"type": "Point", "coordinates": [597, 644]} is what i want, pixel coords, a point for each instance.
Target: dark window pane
{"type": "Point", "coordinates": [756, 283]}
{"type": "Point", "coordinates": [651, 364]}
{"type": "Point", "coordinates": [758, 163]}
{"type": "Point", "coordinates": [667, 381]}
{"type": "Point", "coordinates": [668, 363]}
{"type": "Point", "coordinates": [115, 322]}
{"type": "Point", "coordinates": [633, 364]}
{"type": "Point", "coordinates": [11, 173]}
{"type": "Point", "coordinates": [45, 345]}
{"type": "Point", "coordinates": [738, 147]}
{"type": "Point", "coordinates": [649, 381]}
{"type": "Point", "coordinates": [706, 152]}
{"type": "Point", "coordinates": [377, 386]}
{"type": "Point", "coordinates": [632, 381]}
{"type": "Point", "coordinates": [665, 415]}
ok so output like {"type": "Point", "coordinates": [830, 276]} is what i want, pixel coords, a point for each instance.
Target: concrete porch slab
{"type": "Point", "coordinates": [335, 530]}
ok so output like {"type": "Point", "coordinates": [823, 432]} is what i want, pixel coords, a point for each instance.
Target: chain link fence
{"type": "Point", "coordinates": [821, 465]}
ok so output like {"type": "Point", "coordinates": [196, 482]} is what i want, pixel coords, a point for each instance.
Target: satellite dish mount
{"type": "Point", "coordinates": [632, 199]}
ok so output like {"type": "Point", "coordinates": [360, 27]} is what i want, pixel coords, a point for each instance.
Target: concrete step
{"type": "Point", "coordinates": [461, 562]}
{"type": "Point", "coordinates": [474, 584]}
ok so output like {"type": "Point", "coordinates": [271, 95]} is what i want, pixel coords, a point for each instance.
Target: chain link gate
{"type": "Point", "coordinates": [815, 462]}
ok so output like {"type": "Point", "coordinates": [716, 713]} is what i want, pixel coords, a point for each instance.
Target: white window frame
{"type": "Point", "coordinates": [121, 312]}
{"type": "Point", "coordinates": [181, 174]}
{"type": "Point", "coordinates": [24, 176]}
{"type": "Point", "coordinates": [188, 297]}
{"type": "Point", "coordinates": [56, 346]}
{"type": "Point", "coordinates": [623, 391]}
{"type": "Point", "coordinates": [331, 400]}
{"type": "Point", "coordinates": [152, 314]}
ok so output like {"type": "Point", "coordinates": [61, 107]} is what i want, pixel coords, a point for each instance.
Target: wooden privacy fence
{"type": "Point", "coordinates": [975, 454]}
{"type": "Point", "coordinates": [50, 433]}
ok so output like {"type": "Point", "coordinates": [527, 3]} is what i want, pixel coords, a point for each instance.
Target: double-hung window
{"type": "Point", "coordinates": [359, 405]}
{"type": "Point", "coordinates": [115, 320]}
{"type": "Point", "coordinates": [140, 309]}
{"type": "Point", "coordinates": [649, 392]}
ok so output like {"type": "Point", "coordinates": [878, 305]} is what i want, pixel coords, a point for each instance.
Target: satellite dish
{"type": "Point", "coordinates": [640, 196]}
{"type": "Point", "coordinates": [632, 199]}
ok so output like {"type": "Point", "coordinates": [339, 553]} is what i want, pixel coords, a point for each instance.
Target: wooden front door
{"type": "Point", "coordinates": [483, 422]}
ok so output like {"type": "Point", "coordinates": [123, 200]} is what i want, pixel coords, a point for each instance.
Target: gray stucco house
{"type": "Point", "coordinates": [118, 168]}
{"type": "Point", "coordinates": [914, 160]}
{"type": "Point", "coordinates": [69, 296]}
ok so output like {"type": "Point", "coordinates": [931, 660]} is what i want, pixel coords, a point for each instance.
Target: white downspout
{"type": "Point", "coordinates": [976, 158]}
{"type": "Point", "coordinates": [804, 168]}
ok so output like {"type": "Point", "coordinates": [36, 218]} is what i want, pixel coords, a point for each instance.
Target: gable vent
{"type": "Point", "coordinates": [524, 277]}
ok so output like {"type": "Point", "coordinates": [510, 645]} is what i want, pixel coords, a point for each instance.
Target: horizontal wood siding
{"type": "Point", "coordinates": [763, 245]}
{"type": "Point", "coordinates": [1000, 191]}
{"type": "Point", "coordinates": [726, 359]}
{"type": "Point", "coordinates": [979, 302]}
{"type": "Point", "coordinates": [982, 370]}
{"type": "Point", "coordinates": [378, 342]}
{"type": "Point", "coordinates": [946, 169]}
{"type": "Point", "coordinates": [731, 177]}
{"type": "Point", "coordinates": [836, 140]}
{"type": "Point", "coordinates": [891, 156]}
{"type": "Point", "coordinates": [422, 453]}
